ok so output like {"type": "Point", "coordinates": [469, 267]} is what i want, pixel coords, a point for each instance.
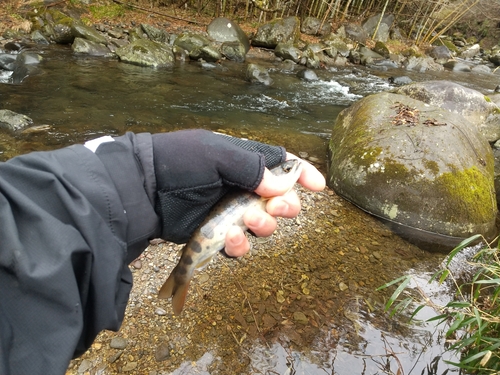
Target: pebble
{"type": "Point", "coordinates": [129, 367]}
{"type": "Point", "coordinates": [377, 255]}
{"type": "Point", "coordinates": [160, 311]}
{"type": "Point", "coordinates": [162, 352]}
{"type": "Point", "coordinates": [343, 286]}
{"type": "Point", "coordinates": [84, 366]}
{"type": "Point", "coordinates": [118, 343]}
{"type": "Point", "coordinates": [137, 264]}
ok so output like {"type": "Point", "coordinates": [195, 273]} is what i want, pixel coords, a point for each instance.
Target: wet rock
{"type": "Point", "coordinates": [88, 47]}
{"type": "Point", "coordinates": [13, 121]}
{"type": "Point", "coordinates": [223, 30]}
{"type": "Point", "coordinates": [307, 75]}
{"type": "Point", "coordinates": [471, 104]}
{"type": "Point", "coordinates": [310, 57]}
{"type": "Point", "coordinates": [80, 30]}
{"type": "Point", "coordinates": [314, 26]}
{"type": "Point", "coordinates": [234, 51]}
{"type": "Point", "coordinates": [288, 51]}
{"type": "Point", "coordinates": [8, 61]}
{"type": "Point", "coordinates": [258, 74]}
{"type": "Point", "coordinates": [401, 80]}
{"type": "Point", "coordinates": [425, 170]}
{"type": "Point", "coordinates": [481, 69]}
{"type": "Point", "coordinates": [381, 49]}
{"type": "Point", "coordinates": [422, 64]}
{"type": "Point", "coordinates": [441, 54]}
{"type": "Point", "coordinates": [118, 343]}
{"type": "Point", "coordinates": [457, 66]}
{"type": "Point", "coordinates": [277, 31]}
{"type": "Point", "coordinates": [207, 53]}
{"type": "Point", "coordinates": [190, 41]}
{"type": "Point", "coordinates": [368, 57]}
{"type": "Point", "coordinates": [147, 53]}
{"type": "Point", "coordinates": [37, 37]}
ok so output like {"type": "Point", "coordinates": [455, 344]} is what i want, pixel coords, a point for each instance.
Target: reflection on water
{"type": "Point", "coordinates": [305, 301]}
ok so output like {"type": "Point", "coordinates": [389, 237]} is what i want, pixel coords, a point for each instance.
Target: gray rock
{"type": "Point", "coordinates": [277, 31]}
{"type": "Point", "coordinates": [469, 103]}
{"type": "Point", "coordinates": [495, 58]}
{"type": "Point", "coordinates": [118, 343]}
{"type": "Point", "coordinates": [162, 352]}
{"type": "Point", "coordinates": [481, 69]}
{"type": "Point", "coordinates": [234, 51]}
{"type": "Point", "coordinates": [338, 43]}
{"type": "Point", "coordinates": [145, 52]}
{"type": "Point", "coordinates": [37, 37]}
{"type": "Point", "coordinates": [371, 23]}
{"type": "Point", "coordinates": [422, 64]}
{"type": "Point", "coordinates": [80, 30]}
{"type": "Point", "coordinates": [13, 121]}
{"type": "Point", "coordinates": [258, 74]}
{"type": "Point", "coordinates": [155, 34]}
{"type": "Point", "coordinates": [8, 61]}
{"type": "Point", "coordinates": [368, 57]}
{"type": "Point", "coordinates": [288, 51]}
{"type": "Point", "coordinates": [471, 52]}
{"type": "Point", "coordinates": [400, 80]}
{"type": "Point", "coordinates": [314, 26]}
{"type": "Point", "coordinates": [307, 75]}
{"type": "Point", "coordinates": [222, 30]}
{"type": "Point", "coordinates": [356, 33]}
{"type": "Point", "coordinates": [190, 41]}
{"type": "Point", "coordinates": [88, 47]}
{"type": "Point", "coordinates": [207, 53]}
{"type": "Point", "coordinates": [382, 34]}
{"type": "Point", "coordinates": [457, 66]}
{"type": "Point", "coordinates": [431, 179]}
{"type": "Point", "coordinates": [441, 54]}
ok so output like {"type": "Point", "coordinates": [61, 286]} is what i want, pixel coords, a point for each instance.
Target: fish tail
{"type": "Point", "coordinates": [175, 289]}
{"type": "Point", "coordinates": [179, 297]}
{"type": "Point", "coordinates": [168, 288]}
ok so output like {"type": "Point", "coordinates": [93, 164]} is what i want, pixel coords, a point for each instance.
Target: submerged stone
{"type": "Point", "coordinates": [426, 171]}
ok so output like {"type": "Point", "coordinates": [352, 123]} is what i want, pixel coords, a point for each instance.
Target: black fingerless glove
{"type": "Point", "coordinates": [195, 168]}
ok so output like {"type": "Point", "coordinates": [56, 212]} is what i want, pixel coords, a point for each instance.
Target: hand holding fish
{"type": "Point", "coordinates": [284, 202]}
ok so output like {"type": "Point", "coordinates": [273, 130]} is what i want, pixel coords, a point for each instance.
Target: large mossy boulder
{"type": "Point", "coordinates": [421, 168]}
{"type": "Point", "coordinates": [471, 104]}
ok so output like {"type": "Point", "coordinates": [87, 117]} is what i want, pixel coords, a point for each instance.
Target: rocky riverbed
{"type": "Point", "coordinates": [308, 288]}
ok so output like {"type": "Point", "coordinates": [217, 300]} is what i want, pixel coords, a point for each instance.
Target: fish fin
{"type": "Point", "coordinates": [179, 297]}
{"type": "Point", "coordinates": [167, 289]}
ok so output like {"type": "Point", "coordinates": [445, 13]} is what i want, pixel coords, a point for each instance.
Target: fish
{"type": "Point", "coordinates": [209, 238]}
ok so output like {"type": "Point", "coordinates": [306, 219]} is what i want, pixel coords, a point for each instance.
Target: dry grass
{"type": "Point", "coordinates": [12, 14]}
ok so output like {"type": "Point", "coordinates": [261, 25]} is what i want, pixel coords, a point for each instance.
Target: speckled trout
{"type": "Point", "coordinates": [210, 236]}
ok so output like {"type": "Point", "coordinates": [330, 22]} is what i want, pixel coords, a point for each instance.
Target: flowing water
{"type": "Point", "coordinates": [80, 98]}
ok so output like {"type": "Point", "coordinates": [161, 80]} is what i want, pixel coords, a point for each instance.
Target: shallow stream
{"type": "Point", "coordinates": [304, 302]}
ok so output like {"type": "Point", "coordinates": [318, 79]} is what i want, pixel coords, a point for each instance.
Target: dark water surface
{"type": "Point", "coordinates": [81, 98]}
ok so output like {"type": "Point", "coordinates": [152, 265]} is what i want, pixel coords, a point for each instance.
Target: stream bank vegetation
{"type": "Point", "coordinates": [422, 21]}
{"type": "Point", "coordinates": [472, 317]}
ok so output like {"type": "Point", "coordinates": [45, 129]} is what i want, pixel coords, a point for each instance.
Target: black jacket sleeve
{"type": "Point", "coordinates": [66, 238]}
